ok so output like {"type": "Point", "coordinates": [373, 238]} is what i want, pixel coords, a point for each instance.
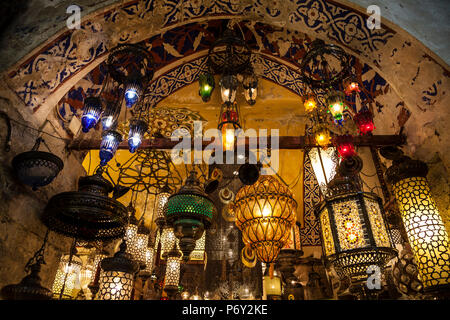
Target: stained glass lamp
{"type": "Point", "coordinates": [92, 111]}
{"type": "Point", "coordinates": [324, 164]}
{"type": "Point", "coordinates": [108, 147]}
{"type": "Point", "coordinates": [137, 130]}
{"type": "Point", "coordinates": [206, 86]}
{"type": "Point", "coordinates": [229, 122]}
{"type": "Point", "coordinates": [335, 102]}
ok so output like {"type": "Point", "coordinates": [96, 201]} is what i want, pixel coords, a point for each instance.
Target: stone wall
{"type": "Point", "coordinates": [21, 231]}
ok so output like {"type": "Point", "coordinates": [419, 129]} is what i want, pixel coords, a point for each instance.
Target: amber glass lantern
{"type": "Point", "coordinates": [265, 213]}
{"type": "Point", "coordinates": [229, 122]}
{"type": "Point", "coordinates": [423, 224]}
{"type": "Point", "coordinates": [354, 232]}
{"type": "Point", "coordinates": [67, 277]}
{"type": "Point", "coordinates": [322, 135]}
{"type": "Point", "coordinates": [117, 277]}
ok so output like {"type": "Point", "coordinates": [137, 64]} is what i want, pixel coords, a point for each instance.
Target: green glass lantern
{"type": "Point", "coordinates": [335, 102]}
{"type": "Point", "coordinates": [190, 212]}
{"type": "Point", "coordinates": [206, 86]}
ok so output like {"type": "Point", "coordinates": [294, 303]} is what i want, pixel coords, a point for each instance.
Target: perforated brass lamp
{"type": "Point", "coordinates": [67, 277]}
{"type": "Point", "coordinates": [190, 212]}
{"type": "Point", "coordinates": [354, 233]}
{"type": "Point", "coordinates": [423, 224]}
{"type": "Point", "coordinates": [161, 200]}
{"type": "Point", "coordinates": [265, 213]}
{"type": "Point", "coordinates": [172, 277]}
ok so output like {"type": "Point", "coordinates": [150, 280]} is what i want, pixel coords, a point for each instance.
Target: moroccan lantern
{"type": "Point", "coordinates": [344, 145]}
{"type": "Point", "coordinates": [133, 90]}
{"type": "Point", "coordinates": [322, 135]}
{"type": "Point", "coordinates": [111, 113]}
{"type": "Point", "coordinates": [364, 121]}
{"type": "Point", "coordinates": [351, 85]}
{"type": "Point", "coordinates": [117, 276]}
{"type": "Point", "coordinates": [250, 84]}
{"type": "Point", "coordinates": [228, 87]}
{"type": "Point", "coordinates": [161, 200]}
{"type": "Point", "coordinates": [423, 224]}
{"type": "Point", "coordinates": [141, 244]}
{"type": "Point", "coordinates": [324, 163]}
{"type": "Point", "coordinates": [87, 273]}
{"type": "Point", "coordinates": [92, 111]}
{"type": "Point", "coordinates": [228, 124]}
{"type": "Point", "coordinates": [67, 277]}
{"type": "Point", "coordinates": [167, 239]}
{"type": "Point", "coordinates": [108, 147]}
{"type": "Point", "coordinates": [335, 103]}
{"type": "Point", "coordinates": [265, 213]}
{"type": "Point", "coordinates": [354, 232]}
{"type": "Point", "coordinates": [206, 86]}
{"type": "Point", "coordinates": [149, 262]}
{"type": "Point", "coordinates": [190, 212]}
{"type": "Point", "coordinates": [138, 128]}
{"type": "Point", "coordinates": [172, 276]}
{"type": "Point", "coordinates": [309, 103]}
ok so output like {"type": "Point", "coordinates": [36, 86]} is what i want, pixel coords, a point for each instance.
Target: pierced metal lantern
{"type": "Point", "coordinates": [250, 84]}
{"type": "Point", "coordinates": [190, 212]}
{"type": "Point", "coordinates": [354, 232]}
{"type": "Point", "coordinates": [424, 226]}
{"type": "Point", "coordinates": [108, 147]}
{"type": "Point", "coordinates": [229, 122]}
{"type": "Point", "coordinates": [265, 213]}
{"type": "Point", "coordinates": [142, 244]}
{"type": "Point", "coordinates": [136, 238]}
{"type": "Point", "coordinates": [172, 276]}
{"type": "Point", "coordinates": [117, 277]}
{"type": "Point", "coordinates": [37, 168]}
{"type": "Point", "coordinates": [87, 214]}
{"type": "Point", "coordinates": [137, 130]}
{"type": "Point", "coordinates": [29, 288]}
{"type": "Point", "coordinates": [324, 164]}
{"type": "Point", "coordinates": [67, 277]}
{"type": "Point", "coordinates": [160, 203]}
{"type": "Point", "coordinates": [149, 262]}
{"type": "Point", "coordinates": [168, 240]}
{"type": "Point", "coordinates": [228, 87]}
{"type": "Point", "coordinates": [206, 86]}
{"type": "Point", "coordinates": [92, 111]}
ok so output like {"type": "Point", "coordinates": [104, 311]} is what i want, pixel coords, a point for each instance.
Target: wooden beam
{"type": "Point", "coordinates": [285, 142]}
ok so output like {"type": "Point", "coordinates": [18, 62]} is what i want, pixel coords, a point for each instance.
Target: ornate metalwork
{"type": "Point", "coordinates": [37, 168]}
{"type": "Point", "coordinates": [87, 214]}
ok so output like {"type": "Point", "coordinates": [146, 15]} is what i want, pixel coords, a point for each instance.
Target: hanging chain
{"type": "Point", "coordinates": [38, 257]}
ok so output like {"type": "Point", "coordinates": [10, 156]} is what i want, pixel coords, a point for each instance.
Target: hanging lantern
{"type": "Point", "coordinates": [228, 87]}
{"type": "Point", "coordinates": [324, 164]}
{"type": "Point", "coordinates": [91, 113]}
{"type": "Point", "coordinates": [133, 91]}
{"type": "Point", "coordinates": [141, 244]}
{"type": "Point", "coordinates": [161, 200]}
{"type": "Point", "coordinates": [37, 168]}
{"type": "Point", "coordinates": [424, 227]}
{"type": "Point", "coordinates": [137, 130]}
{"type": "Point", "coordinates": [190, 212]}
{"type": "Point", "coordinates": [351, 85]}
{"type": "Point", "coordinates": [67, 277]}
{"type": "Point", "coordinates": [228, 124]}
{"type": "Point", "coordinates": [168, 240]}
{"type": "Point", "coordinates": [335, 102]}
{"type": "Point", "coordinates": [354, 232]}
{"type": "Point", "coordinates": [265, 212]}
{"type": "Point", "coordinates": [86, 275]}
{"type": "Point", "coordinates": [136, 238]}
{"type": "Point", "coordinates": [322, 135]}
{"type": "Point", "coordinates": [172, 276]}
{"type": "Point", "coordinates": [149, 262]}
{"type": "Point", "coordinates": [310, 103]}
{"type": "Point", "coordinates": [111, 113]}
{"type": "Point", "coordinates": [198, 254]}
{"type": "Point", "coordinates": [206, 86]}
{"type": "Point", "coordinates": [364, 121]}
{"type": "Point", "coordinates": [108, 147]}
{"type": "Point", "coordinates": [250, 84]}
{"type": "Point", "coordinates": [116, 280]}
{"type": "Point", "coordinates": [344, 145]}
{"type": "Point", "coordinates": [272, 286]}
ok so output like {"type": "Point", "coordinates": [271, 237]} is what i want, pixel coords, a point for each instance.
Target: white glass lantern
{"type": "Point", "coordinates": [161, 200]}
{"type": "Point", "coordinates": [168, 239]}
{"type": "Point", "coordinates": [67, 277]}
{"type": "Point", "coordinates": [324, 164]}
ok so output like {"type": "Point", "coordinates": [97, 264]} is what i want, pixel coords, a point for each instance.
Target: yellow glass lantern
{"type": "Point", "coordinates": [67, 277]}
{"type": "Point", "coordinates": [272, 286]}
{"type": "Point", "coordinates": [265, 213]}
{"type": "Point", "coordinates": [168, 239]}
{"type": "Point", "coordinates": [424, 227]}
{"type": "Point", "coordinates": [322, 135]}
{"type": "Point", "coordinates": [309, 103]}
{"type": "Point", "coordinates": [354, 232]}
{"type": "Point", "coordinates": [117, 276]}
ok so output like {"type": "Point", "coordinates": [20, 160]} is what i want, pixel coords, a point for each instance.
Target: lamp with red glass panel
{"type": "Point", "coordinates": [345, 146]}
{"type": "Point", "coordinates": [364, 121]}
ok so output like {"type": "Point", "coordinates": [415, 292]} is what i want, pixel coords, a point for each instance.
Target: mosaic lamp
{"type": "Point", "coordinates": [108, 147]}
{"type": "Point", "coordinates": [172, 276]}
{"type": "Point", "coordinates": [92, 111]}
{"type": "Point", "coordinates": [137, 130]}
{"type": "Point", "coordinates": [206, 86]}
{"type": "Point", "coordinates": [335, 102]}
{"type": "Point", "coordinates": [322, 135]}
{"type": "Point", "coordinates": [364, 121]}
{"type": "Point", "coordinates": [250, 84]}
{"type": "Point", "coordinates": [265, 213]}
{"type": "Point", "coordinates": [310, 103]}
{"type": "Point", "coordinates": [190, 212]}
{"type": "Point", "coordinates": [324, 164]}
{"type": "Point", "coordinates": [228, 124]}
{"type": "Point", "coordinates": [345, 146]}
{"type": "Point", "coordinates": [228, 87]}
{"type": "Point", "coordinates": [354, 232]}
{"type": "Point", "coordinates": [423, 224]}
{"type": "Point", "coordinates": [117, 276]}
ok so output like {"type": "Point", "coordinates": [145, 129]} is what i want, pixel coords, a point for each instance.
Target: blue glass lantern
{"type": "Point", "coordinates": [108, 147]}
{"type": "Point", "coordinates": [133, 91]}
{"type": "Point", "coordinates": [91, 113]}
{"type": "Point", "coordinates": [137, 130]}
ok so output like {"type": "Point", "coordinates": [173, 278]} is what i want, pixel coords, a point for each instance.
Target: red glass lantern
{"type": "Point", "coordinates": [351, 86]}
{"type": "Point", "coordinates": [345, 147]}
{"type": "Point", "coordinates": [364, 121]}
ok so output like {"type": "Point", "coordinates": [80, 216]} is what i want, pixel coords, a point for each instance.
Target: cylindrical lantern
{"type": "Point", "coordinates": [354, 232]}
{"type": "Point", "coordinates": [133, 91]}
{"type": "Point", "coordinates": [91, 113]}
{"type": "Point", "coordinates": [86, 274]}
{"type": "Point", "coordinates": [67, 277]}
{"type": "Point", "coordinates": [228, 86]}
{"type": "Point", "coordinates": [265, 213]}
{"type": "Point", "coordinates": [167, 240]}
{"type": "Point", "coordinates": [423, 224]}
{"type": "Point", "coordinates": [272, 286]}
{"type": "Point", "coordinates": [172, 276]}
{"type": "Point", "coordinates": [206, 86]}
{"type": "Point", "coordinates": [161, 200]}
{"type": "Point", "coordinates": [149, 261]}
{"type": "Point", "coordinates": [364, 121]}
{"type": "Point", "coordinates": [324, 164]}
{"type": "Point", "coordinates": [137, 130]}
{"type": "Point", "coordinates": [229, 122]}
{"type": "Point", "coordinates": [108, 146]}
{"type": "Point", "coordinates": [141, 244]}
{"type": "Point", "coordinates": [117, 277]}
{"type": "Point", "coordinates": [335, 102]}
{"type": "Point", "coordinates": [111, 113]}
{"type": "Point", "coordinates": [250, 84]}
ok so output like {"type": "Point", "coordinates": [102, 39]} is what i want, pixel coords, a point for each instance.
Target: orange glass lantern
{"type": "Point", "coordinates": [228, 124]}
{"type": "Point", "coordinates": [322, 136]}
{"type": "Point", "coordinates": [309, 103]}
